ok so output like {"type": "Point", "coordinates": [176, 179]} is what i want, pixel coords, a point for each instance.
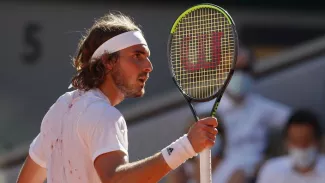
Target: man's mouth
{"type": "Point", "coordinates": [143, 79]}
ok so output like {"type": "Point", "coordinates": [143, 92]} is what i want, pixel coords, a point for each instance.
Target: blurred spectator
{"type": "Point", "coordinates": [304, 163]}
{"type": "Point", "coordinates": [247, 117]}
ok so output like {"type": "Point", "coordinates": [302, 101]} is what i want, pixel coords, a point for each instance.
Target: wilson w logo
{"type": "Point", "coordinates": [190, 45]}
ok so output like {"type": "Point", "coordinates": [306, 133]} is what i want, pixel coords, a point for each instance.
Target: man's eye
{"type": "Point", "coordinates": [137, 55]}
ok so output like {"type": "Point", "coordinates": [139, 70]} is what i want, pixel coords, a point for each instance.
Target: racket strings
{"type": "Point", "coordinates": [202, 51]}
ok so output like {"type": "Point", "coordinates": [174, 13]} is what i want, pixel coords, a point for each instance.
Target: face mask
{"type": "Point", "coordinates": [303, 158]}
{"type": "Point", "coordinates": [240, 84]}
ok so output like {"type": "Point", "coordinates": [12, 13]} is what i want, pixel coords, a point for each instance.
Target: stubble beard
{"type": "Point", "coordinates": [121, 82]}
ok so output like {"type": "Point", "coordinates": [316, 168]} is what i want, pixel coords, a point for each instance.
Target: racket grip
{"type": "Point", "coordinates": [205, 166]}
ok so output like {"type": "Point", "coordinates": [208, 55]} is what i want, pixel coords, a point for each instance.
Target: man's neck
{"type": "Point", "coordinates": [112, 93]}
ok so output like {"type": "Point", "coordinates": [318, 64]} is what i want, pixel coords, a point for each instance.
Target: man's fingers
{"type": "Point", "coordinates": [211, 121]}
{"type": "Point", "coordinates": [210, 130]}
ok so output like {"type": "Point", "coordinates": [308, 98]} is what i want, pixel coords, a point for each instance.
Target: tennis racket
{"type": "Point", "coordinates": [202, 51]}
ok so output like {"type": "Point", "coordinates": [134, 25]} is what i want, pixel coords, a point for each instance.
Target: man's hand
{"type": "Point", "coordinates": [203, 133]}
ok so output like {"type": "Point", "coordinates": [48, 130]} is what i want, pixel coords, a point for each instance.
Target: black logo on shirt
{"type": "Point", "coordinates": [170, 150]}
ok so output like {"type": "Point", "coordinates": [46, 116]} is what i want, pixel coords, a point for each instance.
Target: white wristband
{"type": "Point", "coordinates": [178, 152]}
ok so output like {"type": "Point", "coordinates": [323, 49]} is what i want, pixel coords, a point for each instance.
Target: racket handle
{"type": "Point", "coordinates": [205, 166]}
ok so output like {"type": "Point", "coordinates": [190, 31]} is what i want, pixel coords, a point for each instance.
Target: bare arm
{"type": "Point", "coordinates": [31, 172]}
{"type": "Point", "coordinates": [112, 167]}
{"type": "Point", "coordinates": [177, 176]}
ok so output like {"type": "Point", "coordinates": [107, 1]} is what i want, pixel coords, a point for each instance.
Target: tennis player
{"type": "Point", "coordinates": [83, 137]}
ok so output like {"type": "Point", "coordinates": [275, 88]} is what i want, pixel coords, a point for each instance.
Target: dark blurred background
{"type": "Point", "coordinates": [39, 38]}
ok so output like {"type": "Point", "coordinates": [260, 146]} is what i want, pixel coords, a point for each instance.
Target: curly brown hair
{"type": "Point", "coordinates": [91, 71]}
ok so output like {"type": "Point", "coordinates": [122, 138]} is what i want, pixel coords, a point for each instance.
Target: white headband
{"type": "Point", "coordinates": [120, 42]}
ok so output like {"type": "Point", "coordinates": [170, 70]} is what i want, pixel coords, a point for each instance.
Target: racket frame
{"type": "Point", "coordinates": [206, 154]}
{"type": "Point", "coordinates": [222, 89]}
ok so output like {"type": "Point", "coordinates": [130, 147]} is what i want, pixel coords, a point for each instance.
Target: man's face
{"type": "Point", "coordinates": [301, 136]}
{"type": "Point", "coordinates": [131, 71]}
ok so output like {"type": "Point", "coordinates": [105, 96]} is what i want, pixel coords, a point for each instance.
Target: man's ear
{"type": "Point", "coordinates": [105, 60]}
{"type": "Point", "coordinates": [108, 66]}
